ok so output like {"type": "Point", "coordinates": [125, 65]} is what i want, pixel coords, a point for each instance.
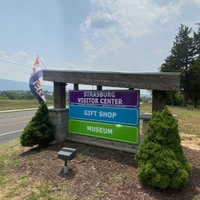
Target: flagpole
{"type": "Point", "coordinates": [41, 61]}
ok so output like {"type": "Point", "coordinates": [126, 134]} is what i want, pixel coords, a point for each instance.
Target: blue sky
{"type": "Point", "coordinates": [103, 35]}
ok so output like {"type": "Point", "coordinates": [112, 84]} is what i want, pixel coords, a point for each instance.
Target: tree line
{"type": "Point", "coordinates": [22, 95]}
{"type": "Point", "coordinates": [185, 58]}
{"type": "Point", "coordinates": [27, 95]}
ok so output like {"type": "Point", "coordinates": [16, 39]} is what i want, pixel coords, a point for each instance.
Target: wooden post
{"type": "Point", "coordinates": [99, 87]}
{"type": "Point", "coordinates": [75, 86]}
{"type": "Point", "coordinates": [159, 100]}
{"type": "Point", "coordinates": [59, 95]}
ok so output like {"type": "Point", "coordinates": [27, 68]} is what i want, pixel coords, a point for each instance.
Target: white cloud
{"type": "Point", "coordinates": [159, 52]}
{"type": "Point", "coordinates": [69, 66]}
{"type": "Point", "coordinates": [3, 54]}
{"type": "Point", "coordinates": [21, 56]}
{"type": "Point", "coordinates": [114, 24]}
{"type": "Point", "coordinates": [17, 57]}
{"type": "Point", "coordinates": [16, 66]}
{"type": "Point", "coordinates": [196, 2]}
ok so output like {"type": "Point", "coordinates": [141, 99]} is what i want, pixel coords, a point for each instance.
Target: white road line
{"type": "Point", "coordinates": [13, 123]}
{"type": "Point", "coordinates": [19, 110]}
{"type": "Point", "coordinates": [10, 133]}
{"type": "Point", "coordinates": [23, 116]}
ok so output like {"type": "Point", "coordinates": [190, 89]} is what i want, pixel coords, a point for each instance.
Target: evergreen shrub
{"type": "Point", "coordinates": [39, 131]}
{"type": "Point", "coordinates": [161, 163]}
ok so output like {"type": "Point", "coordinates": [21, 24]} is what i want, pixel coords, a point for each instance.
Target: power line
{"type": "Point", "coordinates": [41, 61]}
{"type": "Point", "coordinates": [16, 63]}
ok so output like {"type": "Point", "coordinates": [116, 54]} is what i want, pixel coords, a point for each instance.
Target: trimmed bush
{"type": "Point", "coordinates": [160, 158]}
{"type": "Point", "coordinates": [39, 130]}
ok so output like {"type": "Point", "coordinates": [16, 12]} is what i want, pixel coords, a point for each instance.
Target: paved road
{"type": "Point", "coordinates": [12, 124]}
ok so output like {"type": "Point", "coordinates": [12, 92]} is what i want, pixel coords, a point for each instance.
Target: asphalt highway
{"type": "Point", "coordinates": [12, 124]}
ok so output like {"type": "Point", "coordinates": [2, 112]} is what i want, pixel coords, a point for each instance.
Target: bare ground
{"type": "Point", "coordinates": [100, 173]}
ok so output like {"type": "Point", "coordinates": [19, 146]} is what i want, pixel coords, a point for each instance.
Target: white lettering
{"type": "Point", "coordinates": [107, 114]}
{"type": "Point", "coordinates": [111, 101]}
{"type": "Point", "coordinates": [88, 100]}
{"type": "Point", "coordinates": [90, 94]}
{"type": "Point", "coordinates": [85, 94]}
{"type": "Point", "coordinates": [96, 129]}
{"type": "Point", "coordinates": [90, 112]}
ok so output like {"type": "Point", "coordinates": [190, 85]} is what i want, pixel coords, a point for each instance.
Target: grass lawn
{"type": "Point", "coordinates": [20, 104]}
{"type": "Point", "coordinates": [188, 118]}
{"type": "Point", "coordinates": [188, 123]}
{"type": "Point", "coordinates": [96, 173]}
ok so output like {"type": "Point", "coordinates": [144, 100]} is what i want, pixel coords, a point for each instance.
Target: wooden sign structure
{"type": "Point", "coordinates": [158, 83]}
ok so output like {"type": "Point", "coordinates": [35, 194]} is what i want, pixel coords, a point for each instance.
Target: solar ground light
{"type": "Point", "coordinates": [66, 154]}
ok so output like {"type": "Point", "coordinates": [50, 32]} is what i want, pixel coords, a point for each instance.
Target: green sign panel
{"type": "Point", "coordinates": [117, 132]}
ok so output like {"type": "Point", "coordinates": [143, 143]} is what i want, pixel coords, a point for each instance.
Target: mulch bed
{"type": "Point", "coordinates": [100, 173]}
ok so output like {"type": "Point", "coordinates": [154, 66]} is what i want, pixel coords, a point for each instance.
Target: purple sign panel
{"type": "Point", "coordinates": [126, 98]}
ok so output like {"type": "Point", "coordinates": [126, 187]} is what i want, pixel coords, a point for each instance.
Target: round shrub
{"type": "Point", "coordinates": [160, 158]}
{"type": "Point", "coordinates": [39, 131]}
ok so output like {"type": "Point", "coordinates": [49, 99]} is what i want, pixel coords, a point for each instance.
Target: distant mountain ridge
{"type": "Point", "coordinates": [19, 85]}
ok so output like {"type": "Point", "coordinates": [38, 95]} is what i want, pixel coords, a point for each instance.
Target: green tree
{"type": "Point", "coordinates": [194, 82]}
{"type": "Point", "coordinates": [160, 158]}
{"type": "Point", "coordinates": [39, 130]}
{"type": "Point", "coordinates": [196, 37]}
{"type": "Point", "coordinates": [181, 58]}
{"type": "Point", "coordinates": [174, 98]}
